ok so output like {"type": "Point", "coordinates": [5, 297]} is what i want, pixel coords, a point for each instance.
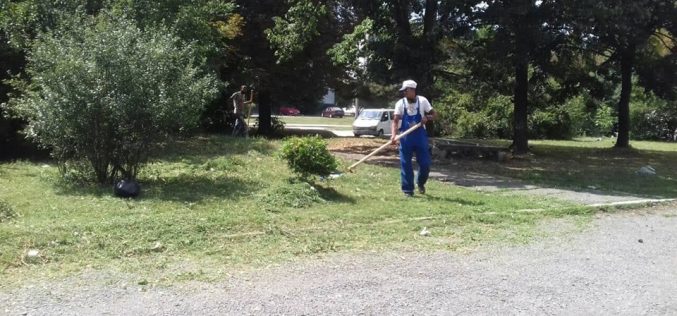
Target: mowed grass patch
{"type": "Point", "coordinates": [214, 203]}
{"type": "Point", "coordinates": [590, 163]}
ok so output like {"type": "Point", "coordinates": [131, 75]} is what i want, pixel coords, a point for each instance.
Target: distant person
{"type": "Point", "coordinates": [411, 110]}
{"type": "Point", "coordinates": [240, 128]}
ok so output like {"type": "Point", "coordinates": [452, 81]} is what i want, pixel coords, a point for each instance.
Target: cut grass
{"type": "Point", "coordinates": [214, 203]}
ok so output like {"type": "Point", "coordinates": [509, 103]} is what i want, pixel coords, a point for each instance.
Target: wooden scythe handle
{"type": "Point", "coordinates": [405, 133]}
{"type": "Point", "coordinates": [249, 112]}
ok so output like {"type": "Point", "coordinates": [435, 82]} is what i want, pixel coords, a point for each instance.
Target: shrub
{"type": "Point", "coordinates": [307, 156]}
{"type": "Point", "coordinates": [448, 110]}
{"type": "Point", "coordinates": [605, 119]}
{"type": "Point", "coordinates": [652, 117]}
{"type": "Point", "coordinates": [551, 123]}
{"type": "Point", "coordinates": [588, 116]}
{"type": "Point", "coordinates": [467, 115]}
{"type": "Point", "coordinates": [581, 118]}
{"type": "Point", "coordinates": [105, 92]}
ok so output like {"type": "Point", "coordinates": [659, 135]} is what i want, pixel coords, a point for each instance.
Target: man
{"type": "Point", "coordinates": [411, 110]}
{"type": "Point", "coordinates": [240, 128]}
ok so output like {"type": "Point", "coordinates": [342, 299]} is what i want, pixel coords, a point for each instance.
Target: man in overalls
{"type": "Point", "coordinates": [411, 110]}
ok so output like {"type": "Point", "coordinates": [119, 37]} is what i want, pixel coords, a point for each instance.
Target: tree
{"type": "Point", "coordinates": [399, 40]}
{"type": "Point", "coordinates": [281, 56]}
{"type": "Point", "coordinates": [418, 38]}
{"type": "Point", "coordinates": [623, 28]}
{"type": "Point", "coordinates": [529, 32]}
{"type": "Point", "coordinates": [105, 92]}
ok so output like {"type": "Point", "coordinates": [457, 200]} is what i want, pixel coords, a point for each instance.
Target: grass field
{"type": "Point", "coordinates": [214, 203]}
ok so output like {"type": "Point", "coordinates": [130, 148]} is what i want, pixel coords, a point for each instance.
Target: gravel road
{"type": "Point", "coordinates": [624, 263]}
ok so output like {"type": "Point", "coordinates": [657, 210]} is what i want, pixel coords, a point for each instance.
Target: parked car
{"type": "Point", "coordinates": [333, 111]}
{"type": "Point", "coordinates": [289, 110]}
{"type": "Point", "coordinates": [375, 122]}
{"type": "Point", "coordinates": [351, 111]}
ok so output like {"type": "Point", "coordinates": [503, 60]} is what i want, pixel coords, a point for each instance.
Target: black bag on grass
{"type": "Point", "coordinates": [127, 188]}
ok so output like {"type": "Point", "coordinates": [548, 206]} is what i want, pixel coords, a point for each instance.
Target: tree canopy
{"type": "Point", "coordinates": [508, 68]}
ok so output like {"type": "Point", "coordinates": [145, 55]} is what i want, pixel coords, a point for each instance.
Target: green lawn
{"type": "Point", "coordinates": [212, 203]}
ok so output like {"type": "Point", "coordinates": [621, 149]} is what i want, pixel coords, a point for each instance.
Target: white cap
{"type": "Point", "coordinates": [408, 84]}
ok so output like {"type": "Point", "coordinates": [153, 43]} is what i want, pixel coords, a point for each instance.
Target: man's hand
{"type": "Point", "coordinates": [393, 139]}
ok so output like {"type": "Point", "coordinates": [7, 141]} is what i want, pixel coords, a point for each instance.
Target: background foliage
{"type": "Point", "coordinates": [511, 69]}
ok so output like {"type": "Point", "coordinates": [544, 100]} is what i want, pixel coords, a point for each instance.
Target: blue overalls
{"type": "Point", "coordinates": [416, 142]}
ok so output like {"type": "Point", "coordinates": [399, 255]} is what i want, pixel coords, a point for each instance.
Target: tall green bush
{"type": "Point", "coordinates": [588, 116]}
{"type": "Point", "coordinates": [550, 123]}
{"type": "Point", "coordinates": [652, 117]}
{"type": "Point", "coordinates": [577, 110]}
{"type": "Point", "coordinates": [468, 115]}
{"type": "Point", "coordinates": [605, 119]}
{"type": "Point", "coordinates": [105, 92]}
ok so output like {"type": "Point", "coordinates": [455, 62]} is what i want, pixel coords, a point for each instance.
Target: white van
{"type": "Point", "coordinates": [375, 122]}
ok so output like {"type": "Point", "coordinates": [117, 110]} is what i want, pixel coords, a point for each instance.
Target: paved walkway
{"type": "Point", "coordinates": [491, 183]}
{"type": "Point", "coordinates": [484, 182]}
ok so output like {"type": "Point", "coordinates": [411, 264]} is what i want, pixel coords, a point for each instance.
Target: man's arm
{"type": "Point", "coordinates": [235, 105]}
{"type": "Point", "coordinates": [394, 128]}
{"type": "Point", "coordinates": [251, 98]}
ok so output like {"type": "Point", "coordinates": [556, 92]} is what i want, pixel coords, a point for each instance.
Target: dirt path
{"type": "Point", "coordinates": [622, 264]}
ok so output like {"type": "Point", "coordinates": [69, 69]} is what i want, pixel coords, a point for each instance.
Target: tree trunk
{"type": "Point", "coordinates": [430, 40]}
{"type": "Point", "coordinates": [627, 60]}
{"type": "Point", "coordinates": [431, 7]}
{"type": "Point", "coordinates": [414, 55]}
{"type": "Point", "coordinates": [265, 113]}
{"type": "Point", "coordinates": [404, 64]}
{"type": "Point", "coordinates": [520, 140]}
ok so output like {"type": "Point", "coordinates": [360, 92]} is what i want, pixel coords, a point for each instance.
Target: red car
{"type": "Point", "coordinates": [289, 110]}
{"type": "Point", "coordinates": [333, 111]}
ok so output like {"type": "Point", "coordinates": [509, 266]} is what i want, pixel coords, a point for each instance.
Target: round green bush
{"type": "Point", "coordinates": [307, 156]}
